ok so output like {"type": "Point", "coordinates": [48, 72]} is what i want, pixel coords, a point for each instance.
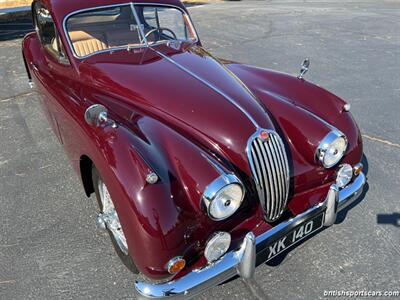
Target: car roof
{"type": "Point", "coordinates": [62, 8]}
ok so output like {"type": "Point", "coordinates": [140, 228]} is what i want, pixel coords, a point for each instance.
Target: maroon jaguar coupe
{"type": "Point", "coordinates": [203, 168]}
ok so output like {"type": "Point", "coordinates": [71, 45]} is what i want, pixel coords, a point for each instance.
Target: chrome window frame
{"type": "Point", "coordinates": [132, 4]}
{"type": "Point", "coordinates": [61, 55]}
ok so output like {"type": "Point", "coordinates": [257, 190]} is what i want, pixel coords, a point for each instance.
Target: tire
{"type": "Point", "coordinates": [125, 258]}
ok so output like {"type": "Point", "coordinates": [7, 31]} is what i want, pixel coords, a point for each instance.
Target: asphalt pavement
{"type": "Point", "coordinates": [49, 245]}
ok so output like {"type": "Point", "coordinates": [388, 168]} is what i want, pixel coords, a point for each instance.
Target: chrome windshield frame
{"type": "Point", "coordinates": [134, 12]}
{"type": "Point", "coordinates": [132, 5]}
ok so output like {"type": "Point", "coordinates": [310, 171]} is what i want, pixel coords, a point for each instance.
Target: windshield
{"type": "Point", "coordinates": [126, 26]}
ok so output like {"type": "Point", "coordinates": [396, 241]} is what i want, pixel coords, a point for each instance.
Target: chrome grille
{"type": "Point", "coordinates": [270, 170]}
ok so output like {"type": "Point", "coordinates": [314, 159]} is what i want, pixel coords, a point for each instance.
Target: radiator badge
{"type": "Point", "coordinates": [264, 135]}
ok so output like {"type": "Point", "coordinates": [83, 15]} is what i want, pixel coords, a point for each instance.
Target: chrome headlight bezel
{"type": "Point", "coordinates": [215, 188]}
{"type": "Point", "coordinates": [326, 143]}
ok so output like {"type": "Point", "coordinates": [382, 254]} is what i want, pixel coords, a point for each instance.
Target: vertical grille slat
{"type": "Point", "coordinates": [260, 181]}
{"type": "Point", "coordinates": [286, 163]}
{"type": "Point", "coordinates": [270, 170]}
{"type": "Point", "coordinates": [276, 174]}
{"type": "Point", "coordinates": [281, 172]}
{"type": "Point", "coordinates": [268, 179]}
{"type": "Point", "coordinates": [264, 194]}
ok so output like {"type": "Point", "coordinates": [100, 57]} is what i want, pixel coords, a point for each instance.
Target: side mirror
{"type": "Point", "coordinates": [304, 68]}
{"type": "Point", "coordinates": [96, 115]}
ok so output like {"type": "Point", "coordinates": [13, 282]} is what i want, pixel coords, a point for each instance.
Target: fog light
{"type": "Point", "coordinates": [358, 169]}
{"type": "Point", "coordinates": [176, 264]}
{"type": "Point", "coordinates": [344, 175]}
{"type": "Point", "coordinates": [217, 246]}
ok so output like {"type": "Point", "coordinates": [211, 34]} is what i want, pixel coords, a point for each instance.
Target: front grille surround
{"type": "Point", "coordinates": [270, 170]}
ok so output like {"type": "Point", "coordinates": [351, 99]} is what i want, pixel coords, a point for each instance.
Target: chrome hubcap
{"type": "Point", "coordinates": [108, 218]}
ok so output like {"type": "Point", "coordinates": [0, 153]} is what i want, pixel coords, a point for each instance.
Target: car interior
{"type": "Point", "coordinates": [104, 29]}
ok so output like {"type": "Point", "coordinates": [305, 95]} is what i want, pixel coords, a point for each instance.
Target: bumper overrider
{"type": "Point", "coordinates": [252, 251]}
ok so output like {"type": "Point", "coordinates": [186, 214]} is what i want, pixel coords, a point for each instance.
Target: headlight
{"type": "Point", "coordinates": [331, 149]}
{"type": "Point", "coordinates": [217, 246]}
{"type": "Point", "coordinates": [223, 197]}
{"type": "Point", "coordinates": [344, 175]}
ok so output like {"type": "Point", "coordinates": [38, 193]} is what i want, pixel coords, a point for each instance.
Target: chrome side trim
{"type": "Point", "coordinates": [242, 262]}
{"type": "Point", "coordinates": [211, 86]}
{"type": "Point", "coordinates": [64, 25]}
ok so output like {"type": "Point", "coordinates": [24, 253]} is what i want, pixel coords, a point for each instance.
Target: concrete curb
{"type": "Point", "coordinates": [8, 15]}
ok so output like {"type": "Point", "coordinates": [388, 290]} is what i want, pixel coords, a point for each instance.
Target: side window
{"type": "Point", "coordinates": [48, 34]}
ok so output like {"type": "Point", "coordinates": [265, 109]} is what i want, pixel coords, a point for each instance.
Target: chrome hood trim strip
{"type": "Point", "coordinates": [211, 86]}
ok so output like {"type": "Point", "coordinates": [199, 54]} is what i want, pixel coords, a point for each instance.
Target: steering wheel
{"type": "Point", "coordinates": [160, 30]}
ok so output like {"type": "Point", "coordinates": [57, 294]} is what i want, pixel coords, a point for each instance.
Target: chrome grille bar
{"type": "Point", "coordinates": [270, 170]}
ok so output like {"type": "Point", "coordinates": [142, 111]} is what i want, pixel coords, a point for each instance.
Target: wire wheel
{"type": "Point", "coordinates": [108, 219]}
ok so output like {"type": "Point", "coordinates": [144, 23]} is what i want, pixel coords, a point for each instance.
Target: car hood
{"type": "Point", "coordinates": [198, 96]}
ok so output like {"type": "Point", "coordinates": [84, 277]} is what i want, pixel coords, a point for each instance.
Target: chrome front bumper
{"type": "Point", "coordinates": [242, 262]}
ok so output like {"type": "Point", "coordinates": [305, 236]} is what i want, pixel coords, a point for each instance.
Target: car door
{"type": "Point", "coordinates": [39, 68]}
{"type": "Point", "coordinates": [61, 86]}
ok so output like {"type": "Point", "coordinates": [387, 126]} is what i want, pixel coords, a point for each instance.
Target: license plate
{"type": "Point", "coordinates": [294, 236]}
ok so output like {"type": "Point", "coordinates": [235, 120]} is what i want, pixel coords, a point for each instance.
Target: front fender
{"type": "Point", "coordinates": [303, 94]}
{"type": "Point", "coordinates": [165, 219]}
{"type": "Point", "coordinates": [305, 113]}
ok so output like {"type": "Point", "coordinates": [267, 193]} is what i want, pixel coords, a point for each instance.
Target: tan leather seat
{"type": "Point", "coordinates": [85, 44]}
{"type": "Point", "coordinates": [122, 36]}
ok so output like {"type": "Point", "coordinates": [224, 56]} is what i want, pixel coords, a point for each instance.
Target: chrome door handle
{"type": "Point", "coordinates": [34, 67]}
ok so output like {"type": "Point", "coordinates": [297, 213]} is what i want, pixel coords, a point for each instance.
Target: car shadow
{"type": "Point", "coordinates": [389, 219]}
{"type": "Point", "coordinates": [15, 30]}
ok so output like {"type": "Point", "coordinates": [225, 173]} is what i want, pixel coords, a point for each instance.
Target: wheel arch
{"type": "Point", "coordinates": [28, 72]}
{"type": "Point", "coordinates": [124, 157]}
{"type": "Point", "coordinates": [85, 167]}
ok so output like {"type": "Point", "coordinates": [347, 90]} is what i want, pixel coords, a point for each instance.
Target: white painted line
{"type": "Point", "coordinates": [381, 141]}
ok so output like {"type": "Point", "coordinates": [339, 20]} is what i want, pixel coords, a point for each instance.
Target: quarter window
{"type": "Point", "coordinates": [48, 34]}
